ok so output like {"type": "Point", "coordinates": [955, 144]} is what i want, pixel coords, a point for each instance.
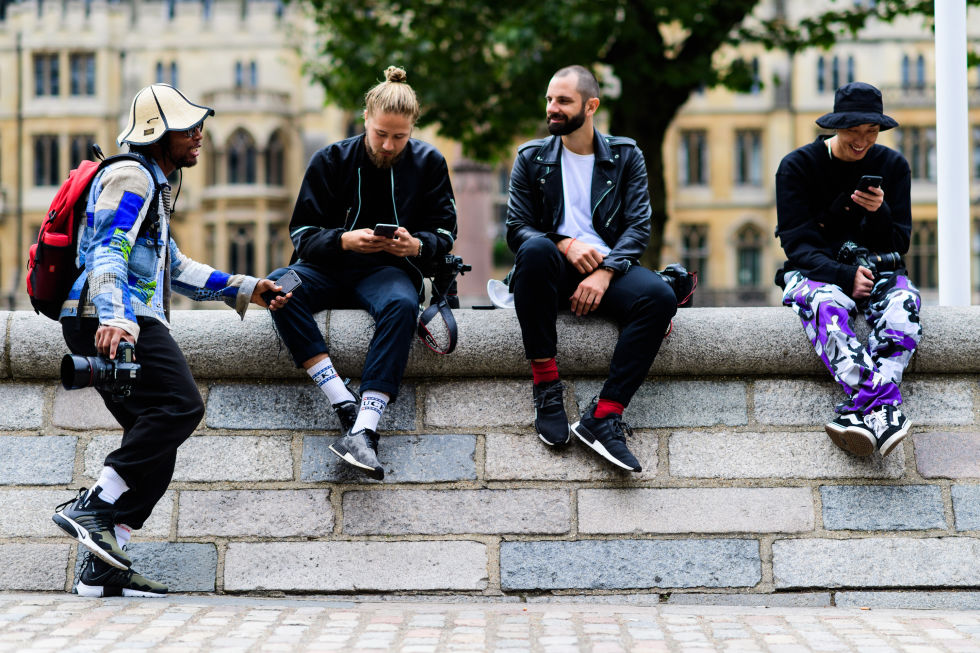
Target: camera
{"type": "Point", "coordinates": [444, 271]}
{"type": "Point", "coordinates": [116, 376]}
{"type": "Point", "coordinates": [853, 254]}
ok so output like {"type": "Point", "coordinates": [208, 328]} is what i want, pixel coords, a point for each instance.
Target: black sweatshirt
{"type": "Point", "coordinates": [815, 214]}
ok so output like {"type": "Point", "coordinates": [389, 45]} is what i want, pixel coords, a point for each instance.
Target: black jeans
{"type": "Point", "coordinates": [639, 301]}
{"type": "Point", "coordinates": [163, 410]}
{"type": "Point", "coordinates": [385, 292]}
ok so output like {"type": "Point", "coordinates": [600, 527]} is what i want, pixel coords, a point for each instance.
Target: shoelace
{"type": "Point", "coordinates": [81, 491]}
{"type": "Point", "coordinates": [876, 421]}
{"type": "Point", "coordinates": [621, 428]}
{"type": "Point", "coordinates": [549, 396]}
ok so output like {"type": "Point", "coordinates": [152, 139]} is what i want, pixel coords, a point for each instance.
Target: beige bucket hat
{"type": "Point", "coordinates": [157, 109]}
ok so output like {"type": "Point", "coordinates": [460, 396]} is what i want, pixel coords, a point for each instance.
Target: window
{"type": "Point", "coordinates": [906, 72]}
{"type": "Point", "coordinates": [850, 70]}
{"type": "Point", "coordinates": [756, 80]}
{"type": "Point", "coordinates": [246, 75]}
{"type": "Point", "coordinates": [210, 162]}
{"type": "Point", "coordinates": [918, 145]}
{"type": "Point", "coordinates": [835, 74]}
{"type": "Point", "coordinates": [694, 250]}
{"type": "Point", "coordinates": [920, 72]}
{"type": "Point", "coordinates": [81, 65]}
{"type": "Point", "coordinates": [748, 157]}
{"type": "Point", "coordinates": [241, 158]}
{"type": "Point", "coordinates": [821, 73]}
{"type": "Point", "coordinates": [167, 73]}
{"type": "Point", "coordinates": [275, 161]}
{"type": "Point", "coordinates": [45, 75]}
{"type": "Point", "coordinates": [241, 257]}
{"type": "Point", "coordinates": [80, 149]}
{"type": "Point", "coordinates": [923, 255]}
{"type": "Point", "coordinates": [749, 255]}
{"type": "Point", "coordinates": [47, 167]}
{"type": "Point", "coordinates": [693, 162]}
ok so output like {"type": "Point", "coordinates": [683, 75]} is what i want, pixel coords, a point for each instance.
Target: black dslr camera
{"type": "Point", "coordinates": [117, 376]}
{"type": "Point", "coordinates": [444, 271]}
{"type": "Point", "coordinates": [853, 254]}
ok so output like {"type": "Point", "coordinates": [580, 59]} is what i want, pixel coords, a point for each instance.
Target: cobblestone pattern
{"type": "Point", "coordinates": [741, 493]}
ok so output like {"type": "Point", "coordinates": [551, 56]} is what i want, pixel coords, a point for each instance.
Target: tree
{"type": "Point", "coordinates": [481, 68]}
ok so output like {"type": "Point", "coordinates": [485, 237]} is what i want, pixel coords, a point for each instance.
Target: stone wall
{"type": "Point", "coordinates": [741, 492]}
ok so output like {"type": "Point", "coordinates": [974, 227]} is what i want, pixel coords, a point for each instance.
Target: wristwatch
{"type": "Point", "coordinates": [420, 249]}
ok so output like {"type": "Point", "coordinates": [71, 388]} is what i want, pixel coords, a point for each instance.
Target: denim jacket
{"type": "Point", "coordinates": [129, 271]}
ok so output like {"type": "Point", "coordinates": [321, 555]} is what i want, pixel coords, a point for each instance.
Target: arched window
{"type": "Point", "coordinates": [906, 72]}
{"type": "Point", "coordinates": [241, 158]}
{"type": "Point", "coordinates": [241, 255]}
{"type": "Point", "coordinates": [821, 71]}
{"type": "Point", "coordinates": [749, 256]}
{"type": "Point", "coordinates": [920, 72]}
{"type": "Point", "coordinates": [275, 160]}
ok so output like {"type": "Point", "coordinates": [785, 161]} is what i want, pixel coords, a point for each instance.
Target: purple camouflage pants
{"type": "Point", "coordinates": [869, 374]}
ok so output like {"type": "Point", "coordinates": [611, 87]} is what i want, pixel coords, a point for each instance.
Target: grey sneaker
{"type": "Point", "coordinates": [849, 432]}
{"type": "Point", "coordinates": [99, 579]}
{"type": "Point", "coordinates": [360, 449]}
{"type": "Point", "coordinates": [91, 521]}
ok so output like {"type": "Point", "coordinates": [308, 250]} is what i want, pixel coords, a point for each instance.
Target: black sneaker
{"type": "Point", "coordinates": [360, 449]}
{"type": "Point", "coordinates": [850, 433]}
{"type": "Point", "coordinates": [99, 579]}
{"type": "Point", "coordinates": [607, 437]}
{"type": "Point", "coordinates": [347, 410]}
{"type": "Point", "coordinates": [91, 521]}
{"type": "Point", "coordinates": [890, 426]}
{"type": "Point", "coordinates": [550, 419]}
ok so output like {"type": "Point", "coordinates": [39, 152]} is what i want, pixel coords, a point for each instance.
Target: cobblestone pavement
{"type": "Point", "coordinates": [56, 622]}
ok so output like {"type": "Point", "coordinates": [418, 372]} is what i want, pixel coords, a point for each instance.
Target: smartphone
{"type": "Point", "coordinates": [288, 282]}
{"type": "Point", "coordinates": [869, 181]}
{"type": "Point", "coordinates": [385, 230]}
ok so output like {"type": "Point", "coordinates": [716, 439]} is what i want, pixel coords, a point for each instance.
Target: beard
{"type": "Point", "coordinates": [567, 125]}
{"type": "Point", "coordinates": [379, 161]}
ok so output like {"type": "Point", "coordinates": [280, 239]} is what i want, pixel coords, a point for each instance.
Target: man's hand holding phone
{"type": "Point", "coordinates": [868, 194]}
{"type": "Point", "coordinates": [275, 294]}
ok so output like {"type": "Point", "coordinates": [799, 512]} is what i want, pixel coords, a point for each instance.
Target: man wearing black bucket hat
{"type": "Point", "coordinates": [844, 221]}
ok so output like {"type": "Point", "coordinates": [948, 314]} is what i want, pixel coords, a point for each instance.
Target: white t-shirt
{"type": "Point", "coordinates": [576, 182]}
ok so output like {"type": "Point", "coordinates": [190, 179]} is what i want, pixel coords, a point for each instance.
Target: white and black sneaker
{"type": "Point", "coordinates": [849, 432]}
{"type": "Point", "coordinates": [360, 450]}
{"type": "Point", "coordinates": [98, 579]}
{"type": "Point", "coordinates": [347, 410]}
{"type": "Point", "coordinates": [889, 425]}
{"type": "Point", "coordinates": [550, 420]}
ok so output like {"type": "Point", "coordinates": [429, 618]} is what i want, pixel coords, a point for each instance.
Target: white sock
{"type": "Point", "coordinates": [123, 534]}
{"type": "Point", "coordinates": [326, 377]}
{"type": "Point", "coordinates": [373, 404]}
{"type": "Point", "coordinates": [111, 484]}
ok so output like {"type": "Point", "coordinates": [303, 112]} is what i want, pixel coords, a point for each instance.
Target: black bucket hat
{"type": "Point", "coordinates": [856, 103]}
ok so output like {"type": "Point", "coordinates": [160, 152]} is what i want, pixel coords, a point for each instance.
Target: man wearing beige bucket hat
{"type": "Point", "coordinates": [130, 264]}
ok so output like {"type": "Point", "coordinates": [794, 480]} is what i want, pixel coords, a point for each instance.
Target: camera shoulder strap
{"type": "Point", "coordinates": [439, 306]}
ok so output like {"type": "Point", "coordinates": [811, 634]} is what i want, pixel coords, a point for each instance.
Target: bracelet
{"type": "Point", "coordinates": [420, 248]}
{"type": "Point", "coordinates": [569, 247]}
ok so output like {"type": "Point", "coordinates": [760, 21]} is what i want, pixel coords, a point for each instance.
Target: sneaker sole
{"type": "Point", "coordinates": [889, 445]}
{"type": "Point", "coordinates": [596, 446]}
{"type": "Point", "coordinates": [556, 444]}
{"type": "Point", "coordinates": [81, 534]}
{"type": "Point", "coordinates": [855, 442]}
{"type": "Point", "coordinates": [353, 462]}
{"type": "Point", "coordinates": [99, 591]}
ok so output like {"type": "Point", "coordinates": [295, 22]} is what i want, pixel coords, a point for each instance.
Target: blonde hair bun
{"type": "Point", "coordinates": [395, 74]}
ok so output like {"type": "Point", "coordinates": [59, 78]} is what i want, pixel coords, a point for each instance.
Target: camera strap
{"type": "Point", "coordinates": [439, 306]}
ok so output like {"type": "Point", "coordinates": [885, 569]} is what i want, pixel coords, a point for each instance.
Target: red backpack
{"type": "Point", "coordinates": [51, 269]}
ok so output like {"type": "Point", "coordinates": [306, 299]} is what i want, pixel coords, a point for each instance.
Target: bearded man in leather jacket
{"type": "Point", "coordinates": [578, 220]}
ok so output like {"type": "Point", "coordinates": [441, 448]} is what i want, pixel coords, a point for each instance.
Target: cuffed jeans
{"type": "Point", "coordinates": [386, 292]}
{"type": "Point", "coordinates": [639, 301]}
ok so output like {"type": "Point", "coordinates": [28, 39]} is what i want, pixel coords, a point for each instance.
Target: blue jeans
{"type": "Point", "coordinates": [386, 292]}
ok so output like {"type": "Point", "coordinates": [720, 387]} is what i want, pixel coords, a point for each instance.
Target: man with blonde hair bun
{"type": "Point", "coordinates": [373, 209]}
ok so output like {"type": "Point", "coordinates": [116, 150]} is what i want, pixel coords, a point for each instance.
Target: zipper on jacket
{"type": "Point", "coordinates": [601, 197]}
{"type": "Point", "coordinates": [612, 215]}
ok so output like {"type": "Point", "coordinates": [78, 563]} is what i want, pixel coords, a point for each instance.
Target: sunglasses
{"type": "Point", "coordinates": [190, 133]}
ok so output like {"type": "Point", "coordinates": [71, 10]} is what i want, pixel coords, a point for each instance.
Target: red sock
{"type": "Point", "coordinates": [607, 407]}
{"type": "Point", "coordinates": [544, 371]}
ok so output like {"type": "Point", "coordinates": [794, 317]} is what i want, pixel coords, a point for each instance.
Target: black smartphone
{"type": "Point", "coordinates": [869, 181]}
{"type": "Point", "coordinates": [288, 282]}
{"type": "Point", "coordinates": [385, 230]}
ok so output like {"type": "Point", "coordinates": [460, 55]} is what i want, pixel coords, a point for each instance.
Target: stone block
{"type": "Point", "coordinates": [695, 510]}
{"type": "Point", "coordinates": [947, 455]}
{"type": "Point", "coordinates": [668, 402]}
{"type": "Point", "coordinates": [27, 513]}
{"type": "Point", "coordinates": [279, 406]}
{"type": "Point", "coordinates": [209, 458]}
{"type": "Point", "coordinates": [882, 507]}
{"type": "Point", "coordinates": [938, 401]}
{"type": "Point", "coordinates": [629, 564]}
{"type": "Point", "coordinates": [29, 400]}
{"type": "Point", "coordinates": [258, 513]}
{"type": "Point", "coordinates": [181, 566]}
{"type": "Point", "coordinates": [37, 460]}
{"type": "Point", "coordinates": [781, 600]}
{"type": "Point", "coordinates": [919, 600]}
{"type": "Point", "coordinates": [81, 410]}
{"type": "Point", "coordinates": [525, 457]}
{"type": "Point", "coordinates": [36, 346]}
{"type": "Point", "coordinates": [405, 458]}
{"type": "Point", "coordinates": [479, 403]}
{"type": "Point", "coordinates": [803, 402]}
{"type": "Point", "coordinates": [772, 455]}
{"type": "Point", "coordinates": [401, 512]}
{"type": "Point", "coordinates": [876, 562]}
{"type": "Point", "coordinates": [966, 507]}
{"type": "Point", "coordinates": [31, 567]}
{"type": "Point", "coordinates": [355, 566]}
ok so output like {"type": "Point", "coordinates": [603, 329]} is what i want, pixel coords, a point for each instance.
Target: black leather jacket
{"type": "Point", "coordinates": [620, 198]}
{"type": "Point", "coordinates": [329, 202]}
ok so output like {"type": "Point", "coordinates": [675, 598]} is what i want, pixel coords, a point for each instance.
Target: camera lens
{"type": "Point", "coordinates": [78, 371]}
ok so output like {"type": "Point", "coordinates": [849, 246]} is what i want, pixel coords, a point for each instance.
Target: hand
{"type": "Point", "coordinates": [870, 200]}
{"type": "Point", "coordinates": [362, 241]}
{"type": "Point", "coordinates": [403, 244]}
{"type": "Point", "coordinates": [584, 257]}
{"type": "Point", "coordinates": [265, 285]}
{"type": "Point", "coordinates": [864, 281]}
{"type": "Point", "coordinates": [590, 291]}
{"type": "Point", "coordinates": [107, 339]}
